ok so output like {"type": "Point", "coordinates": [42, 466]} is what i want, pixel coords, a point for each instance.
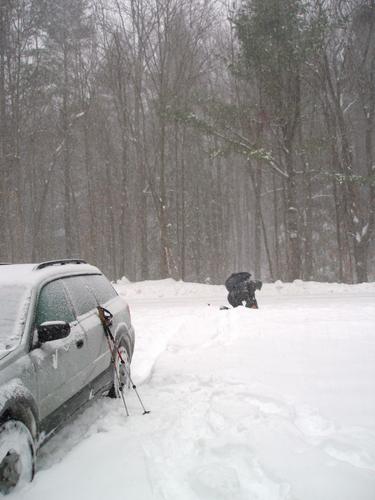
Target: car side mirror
{"type": "Point", "coordinates": [53, 330]}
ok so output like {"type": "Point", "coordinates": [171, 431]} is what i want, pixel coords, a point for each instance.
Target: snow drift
{"type": "Point", "coordinates": [269, 404]}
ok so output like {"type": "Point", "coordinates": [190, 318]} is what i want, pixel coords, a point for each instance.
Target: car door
{"type": "Point", "coordinates": [85, 303]}
{"type": "Point", "coordinates": [60, 365]}
{"type": "Point", "coordinates": [104, 294]}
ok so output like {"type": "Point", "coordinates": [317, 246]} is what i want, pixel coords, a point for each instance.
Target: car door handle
{"type": "Point", "coordinates": [79, 343]}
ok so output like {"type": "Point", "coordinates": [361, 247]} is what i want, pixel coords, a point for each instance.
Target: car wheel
{"type": "Point", "coordinates": [17, 455]}
{"type": "Point", "coordinates": [121, 371]}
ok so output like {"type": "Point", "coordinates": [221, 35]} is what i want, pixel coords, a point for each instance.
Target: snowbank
{"type": "Point", "coordinates": [169, 287]}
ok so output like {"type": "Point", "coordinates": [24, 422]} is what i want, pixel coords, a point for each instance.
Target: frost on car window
{"type": "Point", "coordinates": [14, 303]}
{"type": "Point", "coordinates": [80, 294]}
{"type": "Point", "coordinates": [53, 304]}
{"type": "Point", "coordinates": [101, 287]}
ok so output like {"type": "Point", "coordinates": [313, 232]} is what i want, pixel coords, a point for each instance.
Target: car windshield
{"type": "Point", "coordinates": [14, 302]}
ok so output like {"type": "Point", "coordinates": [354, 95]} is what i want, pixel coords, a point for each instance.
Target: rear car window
{"type": "Point", "coordinates": [14, 301]}
{"type": "Point", "coordinates": [53, 304]}
{"type": "Point", "coordinates": [101, 287]}
{"type": "Point", "coordinates": [81, 296]}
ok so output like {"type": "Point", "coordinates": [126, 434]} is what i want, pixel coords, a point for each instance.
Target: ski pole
{"type": "Point", "coordinates": [145, 412]}
{"type": "Point", "coordinates": [120, 386]}
{"type": "Point", "coordinates": [106, 319]}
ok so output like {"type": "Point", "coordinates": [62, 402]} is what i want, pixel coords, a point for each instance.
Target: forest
{"type": "Point", "coordinates": [190, 138]}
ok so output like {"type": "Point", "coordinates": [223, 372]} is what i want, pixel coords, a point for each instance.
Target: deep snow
{"type": "Point", "coordinates": [269, 404]}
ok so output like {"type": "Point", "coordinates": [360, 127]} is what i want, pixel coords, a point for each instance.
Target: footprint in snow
{"type": "Point", "coordinates": [215, 481]}
{"type": "Point", "coordinates": [312, 425]}
{"type": "Point", "coordinates": [319, 431]}
{"type": "Point", "coordinates": [243, 479]}
{"type": "Point", "coordinates": [345, 452]}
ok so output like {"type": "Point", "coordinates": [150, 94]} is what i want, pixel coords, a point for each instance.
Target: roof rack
{"type": "Point", "coordinates": [60, 262]}
{"type": "Point", "coordinates": [5, 264]}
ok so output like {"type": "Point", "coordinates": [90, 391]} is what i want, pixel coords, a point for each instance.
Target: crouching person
{"type": "Point", "coordinates": [242, 290]}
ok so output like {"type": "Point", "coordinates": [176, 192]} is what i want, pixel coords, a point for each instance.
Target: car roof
{"type": "Point", "coordinates": [33, 274]}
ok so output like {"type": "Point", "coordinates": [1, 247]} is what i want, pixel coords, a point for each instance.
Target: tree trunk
{"type": "Point", "coordinates": [276, 227]}
{"type": "Point", "coordinates": [292, 216]}
{"type": "Point", "coordinates": [167, 264]}
{"type": "Point", "coordinates": [66, 162]}
{"type": "Point", "coordinates": [340, 248]}
{"type": "Point", "coordinates": [308, 229]}
{"type": "Point", "coordinates": [183, 213]}
{"type": "Point", "coordinates": [91, 246]}
{"type": "Point", "coordinates": [258, 223]}
{"type": "Point", "coordinates": [256, 180]}
{"type": "Point", "coordinates": [141, 182]}
{"type": "Point", "coordinates": [360, 259]}
{"type": "Point", "coordinates": [3, 133]}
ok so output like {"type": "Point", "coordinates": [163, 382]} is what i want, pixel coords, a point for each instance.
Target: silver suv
{"type": "Point", "coordinates": [54, 356]}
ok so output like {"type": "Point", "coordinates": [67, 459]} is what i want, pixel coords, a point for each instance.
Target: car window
{"type": "Point", "coordinates": [101, 287]}
{"type": "Point", "coordinates": [14, 301]}
{"type": "Point", "coordinates": [53, 304]}
{"type": "Point", "coordinates": [81, 296]}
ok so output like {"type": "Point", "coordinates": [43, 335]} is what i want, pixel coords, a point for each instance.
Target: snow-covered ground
{"type": "Point", "coordinates": [269, 404]}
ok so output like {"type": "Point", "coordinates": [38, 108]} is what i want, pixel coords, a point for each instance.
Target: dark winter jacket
{"type": "Point", "coordinates": [242, 290]}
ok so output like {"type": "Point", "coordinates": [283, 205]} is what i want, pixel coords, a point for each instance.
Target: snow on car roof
{"type": "Point", "coordinates": [28, 274]}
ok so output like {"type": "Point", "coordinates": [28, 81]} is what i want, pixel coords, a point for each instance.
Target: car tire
{"type": "Point", "coordinates": [121, 372]}
{"type": "Point", "coordinates": [17, 455]}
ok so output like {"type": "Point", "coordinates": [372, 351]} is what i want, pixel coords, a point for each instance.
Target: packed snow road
{"type": "Point", "coordinates": [269, 404]}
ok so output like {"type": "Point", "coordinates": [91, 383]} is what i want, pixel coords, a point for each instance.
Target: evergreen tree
{"type": "Point", "coordinates": [276, 39]}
